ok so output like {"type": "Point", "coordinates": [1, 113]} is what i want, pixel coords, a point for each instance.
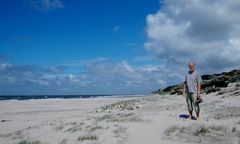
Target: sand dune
{"type": "Point", "coordinates": [144, 120]}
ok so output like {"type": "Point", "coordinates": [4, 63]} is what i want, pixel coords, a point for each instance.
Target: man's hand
{"type": "Point", "coordinates": [198, 94]}
{"type": "Point", "coordinates": [184, 94]}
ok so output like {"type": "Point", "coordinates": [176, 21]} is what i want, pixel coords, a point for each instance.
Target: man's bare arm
{"type": "Point", "coordinates": [184, 89]}
{"type": "Point", "coordinates": [199, 88]}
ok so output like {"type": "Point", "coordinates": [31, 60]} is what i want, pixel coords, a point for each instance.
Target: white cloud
{"type": "Point", "coordinates": [100, 76]}
{"type": "Point", "coordinates": [39, 82]}
{"type": "Point", "coordinates": [203, 31]}
{"type": "Point", "coordinates": [3, 66]}
{"type": "Point", "coordinates": [144, 58]}
{"type": "Point", "coordinates": [55, 69]}
{"type": "Point", "coordinates": [46, 5]}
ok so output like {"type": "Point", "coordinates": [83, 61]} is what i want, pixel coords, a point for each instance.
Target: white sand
{"type": "Point", "coordinates": [150, 120]}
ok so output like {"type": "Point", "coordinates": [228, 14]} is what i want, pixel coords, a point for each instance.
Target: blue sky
{"type": "Point", "coordinates": [113, 46]}
{"type": "Point", "coordinates": [78, 30]}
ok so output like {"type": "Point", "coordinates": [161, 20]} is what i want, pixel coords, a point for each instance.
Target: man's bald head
{"type": "Point", "coordinates": [191, 66]}
{"type": "Point", "coordinates": [191, 63]}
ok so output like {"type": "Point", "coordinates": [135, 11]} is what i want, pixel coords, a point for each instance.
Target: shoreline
{"type": "Point", "coordinates": [44, 97]}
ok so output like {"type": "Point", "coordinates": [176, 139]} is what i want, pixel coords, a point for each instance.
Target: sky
{"type": "Point", "coordinates": [113, 46]}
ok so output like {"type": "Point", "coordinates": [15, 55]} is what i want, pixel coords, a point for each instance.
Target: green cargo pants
{"type": "Point", "coordinates": [191, 102]}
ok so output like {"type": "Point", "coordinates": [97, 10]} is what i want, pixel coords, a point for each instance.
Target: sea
{"type": "Point", "coordinates": [27, 97]}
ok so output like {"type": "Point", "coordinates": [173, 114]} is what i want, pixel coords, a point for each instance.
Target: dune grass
{"type": "Point", "coordinates": [203, 134]}
{"type": "Point", "coordinates": [89, 137]}
{"type": "Point", "coordinates": [30, 142]}
{"type": "Point", "coordinates": [120, 117]}
{"type": "Point", "coordinates": [64, 141]}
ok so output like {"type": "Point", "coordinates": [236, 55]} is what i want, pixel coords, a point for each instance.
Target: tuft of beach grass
{"type": "Point", "coordinates": [30, 142]}
{"type": "Point", "coordinates": [89, 137]}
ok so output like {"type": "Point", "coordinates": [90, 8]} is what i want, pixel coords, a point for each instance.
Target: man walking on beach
{"type": "Point", "coordinates": [191, 89]}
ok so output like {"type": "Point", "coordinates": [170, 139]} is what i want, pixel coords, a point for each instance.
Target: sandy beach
{"type": "Point", "coordinates": [119, 72]}
{"type": "Point", "coordinates": [153, 119]}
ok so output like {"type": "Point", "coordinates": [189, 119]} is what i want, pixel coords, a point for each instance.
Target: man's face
{"type": "Point", "coordinates": [191, 67]}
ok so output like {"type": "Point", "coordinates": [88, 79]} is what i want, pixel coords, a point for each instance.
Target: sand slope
{"type": "Point", "coordinates": [144, 120]}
